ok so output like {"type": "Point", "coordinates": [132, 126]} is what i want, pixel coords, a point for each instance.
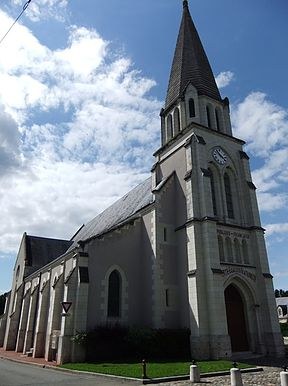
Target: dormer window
{"type": "Point", "coordinates": [191, 108]}
{"type": "Point", "coordinates": [176, 121]}
{"type": "Point", "coordinates": [169, 127]}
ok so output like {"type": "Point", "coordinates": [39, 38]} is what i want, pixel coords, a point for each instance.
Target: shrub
{"type": "Point", "coordinates": [117, 342]}
{"type": "Point", "coordinates": [284, 329]}
{"type": "Point", "coordinates": [160, 343]}
{"type": "Point", "coordinates": [80, 338]}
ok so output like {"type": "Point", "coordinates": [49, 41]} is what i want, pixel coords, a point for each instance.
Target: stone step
{"type": "Point", "coordinates": [240, 356]}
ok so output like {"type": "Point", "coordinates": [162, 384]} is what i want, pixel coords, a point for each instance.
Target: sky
{"type": "Point", "coordinates": [81, 87]}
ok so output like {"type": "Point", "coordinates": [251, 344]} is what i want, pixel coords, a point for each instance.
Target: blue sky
{"type": "Point", "coordinates": [82, 84]}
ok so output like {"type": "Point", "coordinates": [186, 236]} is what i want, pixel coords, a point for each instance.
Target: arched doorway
{"type": "Point", "coordinates": [237, 328]}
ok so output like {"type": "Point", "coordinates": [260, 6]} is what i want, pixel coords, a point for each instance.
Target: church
{"type": "Point", "coordinates": [184, 249]}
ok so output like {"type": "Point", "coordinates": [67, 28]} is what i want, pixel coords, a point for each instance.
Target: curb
{"type": "Point", "coordinates": [57, 368]}
{"type": "Point", "coordinates": [203, 375]}
{"type": "Point", "coordinates": [27, 363]}
{"type": "Point", "coordinates": [143, 381]}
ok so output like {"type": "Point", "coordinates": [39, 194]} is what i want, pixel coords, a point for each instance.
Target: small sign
{"type": "Point", "coordinates": [66, 306]}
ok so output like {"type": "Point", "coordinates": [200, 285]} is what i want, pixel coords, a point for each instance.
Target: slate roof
{"type": "Point", "coordinates": [282, 301]}
{"type": "Point", "coordinates": [190, 63]}
{"type": "Point", "coordinates": [116, 214]}
{"type": "Point", "coordinates": [41, 250]}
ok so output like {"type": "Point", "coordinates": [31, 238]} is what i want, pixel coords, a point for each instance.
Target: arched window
{"type": "Point", "coordinates": [213, 193]}
{"type": "Point", "coordinates": [237, 251]}
{"type": "Point", "coordinates": [169, 127]}
{"type": "Point", "coordinates": [245, 252]}
{"type": "Point", "coordinates": [114, 295]}
{"type": "Point", "coordinates": [228, 194]}
{"type": "Point", "coordinates": [191, 108]}
{"type": "Point", "coordinates": [218, 127]}
{"type": "Point", "coordinates": [221, 248]}
{"type": "Point", "coordinates": [17, 273]}
{"type": "Point", "coordinates": [176, 121]}
{"type": "Point", "coordinates": [208, 116]}
{"type": "Point", "coordinates": [229, 250]}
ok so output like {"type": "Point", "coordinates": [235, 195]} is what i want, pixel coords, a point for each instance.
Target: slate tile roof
{"type": "Point", "coordinates": [190, 64]}
{"type": "Point", "coordinates": [123, 209]}
{"type": "Point", "coordinates": [41, 250]}
{"type": "Point", "coordinates": [282, 301]}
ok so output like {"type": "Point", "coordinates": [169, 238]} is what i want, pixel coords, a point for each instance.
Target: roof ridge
{"type": "Point", "coordinates": [45, 238]}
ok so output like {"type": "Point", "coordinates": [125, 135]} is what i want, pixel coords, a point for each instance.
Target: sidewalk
{"type": "Point", "coordinates": [270, 376]}
{"type": "Point", "coordinates": [19, 357]}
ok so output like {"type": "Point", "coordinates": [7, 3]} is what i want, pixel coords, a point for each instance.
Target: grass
{"type": "Point", "coordinates": [154, 369]}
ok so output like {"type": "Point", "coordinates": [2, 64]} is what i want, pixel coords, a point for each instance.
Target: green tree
{"type": "Point", "coordinates": [281, 293]}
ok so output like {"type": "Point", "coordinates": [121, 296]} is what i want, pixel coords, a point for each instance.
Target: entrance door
{"type": "Point", "coordinates": [236, 319]}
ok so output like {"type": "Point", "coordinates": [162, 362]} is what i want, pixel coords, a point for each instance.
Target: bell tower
{"type": "Point", "coordinates": [218, 254]}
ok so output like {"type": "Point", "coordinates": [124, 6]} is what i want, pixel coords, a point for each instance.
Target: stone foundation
{"type": "Point", "coordinates": [210, 347]}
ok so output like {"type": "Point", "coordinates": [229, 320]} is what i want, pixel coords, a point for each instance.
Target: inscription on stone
{"type": "Point", "coordinates": [233, 234]}
{"type": "Point", "coordinates": [242, 271]}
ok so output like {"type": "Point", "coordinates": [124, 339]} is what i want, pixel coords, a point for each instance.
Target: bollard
{"type": "Point", "coordinates": [144, 370]}
{"type": "Point", "coordinates": [284, 377]}
{"type": "Point", "coordinates": [236, 377]}
{"type": "Point", "coordinates": [194, 373]}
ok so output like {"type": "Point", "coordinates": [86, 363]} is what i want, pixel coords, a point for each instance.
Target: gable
{"type": "Point", "coordinates": [41, 251]}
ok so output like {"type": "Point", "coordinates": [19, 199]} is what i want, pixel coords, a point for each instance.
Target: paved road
{"type": "Point", "coordinates": [18, 374]}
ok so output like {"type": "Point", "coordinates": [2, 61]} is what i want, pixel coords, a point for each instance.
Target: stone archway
{"type": "Point", "coordinates": [236, 321]}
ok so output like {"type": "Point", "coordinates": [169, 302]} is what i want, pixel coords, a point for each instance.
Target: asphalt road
{"type": "Point", "coordinates": [19, 374]}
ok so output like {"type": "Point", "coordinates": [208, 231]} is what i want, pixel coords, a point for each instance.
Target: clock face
{"type": "Point", "coordinates": [219, 155]}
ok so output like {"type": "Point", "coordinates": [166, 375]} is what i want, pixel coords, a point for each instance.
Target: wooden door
{"type": "Point", "coordinates": [237, 328]}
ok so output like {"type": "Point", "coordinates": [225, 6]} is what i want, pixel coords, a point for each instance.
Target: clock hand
{"type": "Point", "coordinates": [220, 154]}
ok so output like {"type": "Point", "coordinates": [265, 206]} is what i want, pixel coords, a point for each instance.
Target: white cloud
{"type": "Point", "coordinates": [281, 274]}
{"type": "Point", "coordinates": [9, 143]}
{"type": "Point", "coordinates": [81, 124]}
{"type": "Point", "coordinates": [224, 79]}
{"type": "Point", "coordinates": [264, 126]}
{"type": "Point", "coordinates": [55, 199]}
{"type": "Point", "coordinates": [278, 229]}
{"type": "Point", "coordinates": [44, 9]}
{"type": "Point", "coordinates": [272, 201]}
{"type": "Point", "coordinates": [271, 174]}
{"type": "Point", "coordinates": [84, 54]}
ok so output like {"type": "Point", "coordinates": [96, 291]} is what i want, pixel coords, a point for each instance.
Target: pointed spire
{"type": "Point", "coordinates": [185, 3]}
{"type": "Point", "coordinates": [190, 63]}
